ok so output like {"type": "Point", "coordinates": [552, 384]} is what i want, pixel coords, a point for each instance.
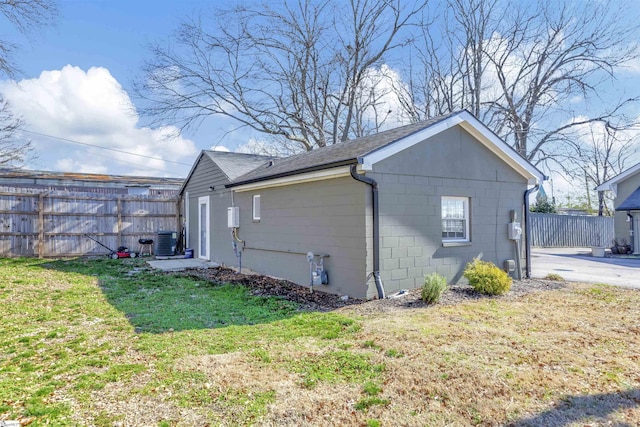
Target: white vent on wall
{"type": "Point", "coordinates": [233, 217]}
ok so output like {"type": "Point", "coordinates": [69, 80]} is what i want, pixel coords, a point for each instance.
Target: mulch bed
{"type": "Point", "coordinates": [270, 286]}
{"type": "Point", "coordinates": [322, 301]}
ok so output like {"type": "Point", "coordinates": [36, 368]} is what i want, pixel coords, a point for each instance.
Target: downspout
{"type": "Point", "coordinates": [376, 228]}
{"type": "Point", "coordinates": [527, 231]}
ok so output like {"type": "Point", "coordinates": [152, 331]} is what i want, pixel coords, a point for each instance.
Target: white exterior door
{"type": "Point", "coordinates": [203, 228]}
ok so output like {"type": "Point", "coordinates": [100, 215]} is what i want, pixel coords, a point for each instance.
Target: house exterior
{"type": "Point", "coordinates": [626, 188]}
{"type": "Point", "coordinates": [386, 209]}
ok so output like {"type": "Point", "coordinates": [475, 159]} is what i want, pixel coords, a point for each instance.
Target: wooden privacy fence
{"type": "Point", "coordinates": [54, 223]}
{"type": "Point", "coordinates": [556, 231]}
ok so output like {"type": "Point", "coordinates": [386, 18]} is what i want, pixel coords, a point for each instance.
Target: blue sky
{"type": "Point", "coordinates": [108, 37]}
{"type": "Point", "coordinates": [76, 84]}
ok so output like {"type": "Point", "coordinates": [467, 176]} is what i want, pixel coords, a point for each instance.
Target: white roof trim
{"type": "Point", "coordinates": [193, 169]}
{"type": "Point", "coordinates": [296, 179]}
{"type": "Point", "coordinates": [612, 184]}
{"type": "Point", "coordinates": [472, 125]}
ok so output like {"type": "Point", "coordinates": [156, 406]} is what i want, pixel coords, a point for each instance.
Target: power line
{"type": "Point", "coordinates": [105, 148]}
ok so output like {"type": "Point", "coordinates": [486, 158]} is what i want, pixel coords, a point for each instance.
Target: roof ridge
{"type": "Point", "coordinates": [217, 152]}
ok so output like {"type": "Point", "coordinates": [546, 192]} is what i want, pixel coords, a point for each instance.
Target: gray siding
{"type": "Point", "coordinates": [333, 216]}
{"type": "Point", "coordinates": [621, 226]}
{"type": "Point", "coordinates": [412, 183]}
{"type": "Point", "coordinates": [323, 217]}
{"type": "Point", "coordinates": [205, 175]}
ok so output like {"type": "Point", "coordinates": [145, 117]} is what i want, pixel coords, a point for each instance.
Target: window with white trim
{"type": "Point", "coordinates": [256, 207]}
{"type": "Point", "coordinates": [455, 219]}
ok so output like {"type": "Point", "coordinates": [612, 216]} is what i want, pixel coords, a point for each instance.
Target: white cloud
{"type": "Point", "coordinates": [632, 66]}
{"type": "Point", "coordinates": [92, 107]}
{"type": "Point", "coordinates": [379, 96]}
{"type": "Point", "coordinates": [220, 148]}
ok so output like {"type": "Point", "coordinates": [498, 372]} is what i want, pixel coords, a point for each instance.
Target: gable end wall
{"type": "Point", "coordinates": [205, 175]}
{"type": "Point", "coordinates": [412, 184]}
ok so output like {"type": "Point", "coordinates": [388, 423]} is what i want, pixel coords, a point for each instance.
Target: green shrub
{"type": "Point", "coordinates": [554, 277]}
{"type": "Point", "coordinates": [486, 278]}
{"type": "Point", "coordinates": [433, 288]}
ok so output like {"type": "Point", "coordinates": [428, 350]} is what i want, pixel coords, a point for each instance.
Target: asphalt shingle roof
{"type": "Point", "coordinates": [235, 165]}
{"type": "Point", "coordinates": [631, 203]}
{"type": "Point", "coordinates": [334, 154]}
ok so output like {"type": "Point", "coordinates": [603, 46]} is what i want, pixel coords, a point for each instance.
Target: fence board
{"type": "Point", "coordinates": [54, 223]}
{"type": "Point", "coordinates": [558, 231]}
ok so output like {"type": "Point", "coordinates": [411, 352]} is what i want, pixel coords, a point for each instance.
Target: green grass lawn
{"type": "Point", "coordinates": [101, 342]}
{"type": "Point", "coordinates": [72, 327]}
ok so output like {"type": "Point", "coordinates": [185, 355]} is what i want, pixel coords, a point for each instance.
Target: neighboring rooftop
{"type": "Point", "coordinates": [73, 181]}
{"type": "Point", "coordinates": [89, 177]}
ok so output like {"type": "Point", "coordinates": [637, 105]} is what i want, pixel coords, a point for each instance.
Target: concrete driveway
{"type": "Point", "coordinates": [577, 265]}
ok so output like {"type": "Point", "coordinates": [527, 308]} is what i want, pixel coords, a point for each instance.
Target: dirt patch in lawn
{"type": "Point", "coordinates": [322, 301]}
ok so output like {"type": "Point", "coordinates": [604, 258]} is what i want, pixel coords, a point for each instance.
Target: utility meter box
{"type": "Point", "coordinates": [509, 265]}
{"type": "Point", "coordinates": [515, 231]}
{"type": "Point", "coordinates": [233, 217]}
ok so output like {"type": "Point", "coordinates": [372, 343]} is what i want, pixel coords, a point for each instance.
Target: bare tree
{"type": "Point", "coordinates": [301, 72]}
{"type": "Point", "coordinates": [599, 154]}
{"type": "Point", "coordinates": [521, 67]}
{"type": "Point", "coordinates": [26, 16]}
{"type": "Point", "coordinates": [295, 72]}
{"type": "Point", "coordinates": [12, 151]}
{"type": "Point", "coordinates": [548, 57]}
{"type": "Point", "coordinates": [450, 53]}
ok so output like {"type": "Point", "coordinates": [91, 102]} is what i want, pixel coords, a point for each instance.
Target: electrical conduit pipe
{"type": "Point", "coordinates": [376, 228]}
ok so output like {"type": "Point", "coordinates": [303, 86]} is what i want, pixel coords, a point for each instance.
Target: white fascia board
{"type": "Point", "coordinates": [296, 179]}
{"type": "Point", "coordinates": [193, 169]}
{"type": "Point", "coordinates": [609, 186]}
{"type": "Point", "coordinates": [612, 184]}
{"type": "Point", "coordinates": [472, 125]}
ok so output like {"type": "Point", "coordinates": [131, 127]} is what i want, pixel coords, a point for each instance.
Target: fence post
{"type": "Point", "coordinates": [552, 230]}
{"type": "Point", "coordinates": [56, 227]}
{"type": "Point", "coordinates": [40, 225]}
{"type": "Point", "coordinates": [119, 209]}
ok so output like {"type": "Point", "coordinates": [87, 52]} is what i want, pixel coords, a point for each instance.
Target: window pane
{"type": "Point", "coordinates": [453, 228]}
{"type": "Point", "coordinates": [455, 217]}
{"type": "Point", "coordinates": [453, 209]}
